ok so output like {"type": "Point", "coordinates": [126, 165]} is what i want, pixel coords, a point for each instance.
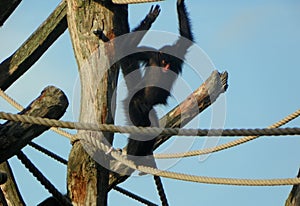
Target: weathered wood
{"type": "Point", "coordinates": [10, 190]}
{"type": "Point", "coordinates": [34, 47]}
{"type": "Point", "coordinates": [52, 103]}
{"type": "Point", "coordinates": [3, 177]}
{"type": "Point", "coordinates": [194, 104]}
{"type": "Point", "coordinates": [87, 180]}
{"type": "Point", "coordinates": [294, 196]}
{"type": "Point", "coordinates": [7, 7]}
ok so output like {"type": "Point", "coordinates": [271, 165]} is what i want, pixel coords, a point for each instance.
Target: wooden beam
{"type": "Point", "coordinates": [87, 180]}
{"type": "Point", "coordinates": [52, 103]}
{"type": "Point", "coordinates": [194, 104]}
{"type": "Point", "coordinates": [7, 7]}
{"type": "Point", "coordinates": [34, 47]}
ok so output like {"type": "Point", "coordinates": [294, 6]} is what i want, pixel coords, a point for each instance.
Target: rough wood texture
{"type": "Point", "coordinates": [87, 181]}
{"type": "Point", "coordinates": [10, 190]}
{"type": "Point", "coordinates": [7, 7]}
{"type": "Point", "coordinates": [52, 103]}
{"type": "Point", "coordinates": [294, 196]}
{"type": "Point", "coordinates": [34, 47]}
{"type": "Point", "coordinates": [194, 104]}
{"type": "Point", "coordinates": [3, 177]}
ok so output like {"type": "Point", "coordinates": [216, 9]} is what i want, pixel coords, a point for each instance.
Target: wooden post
{"type": "Point", "coordinates": [87, 181]}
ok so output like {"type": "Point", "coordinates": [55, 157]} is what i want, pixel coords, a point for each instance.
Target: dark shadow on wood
{"type": "Point", "coordinates": [52, 103]}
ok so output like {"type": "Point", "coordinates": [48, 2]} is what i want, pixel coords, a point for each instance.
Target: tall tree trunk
{"type": "Point", "coordinates": [87, 180]}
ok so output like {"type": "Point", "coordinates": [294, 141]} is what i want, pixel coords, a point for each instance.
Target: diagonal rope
{"type": "Point", "coordinates": [42, 179]}
{"type": "Point", "coordinates": [161, 191]}
{"type": "Point", "coordinates": [228, 144]}
{"type": "Point", "coordinates": [134, 196]}
{"type": "Point", "coordinates": [48, 153]}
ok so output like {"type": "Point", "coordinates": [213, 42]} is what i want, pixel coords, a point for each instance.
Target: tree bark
{"type": "Point", "coordinates": [87, 180]}
{"type": "Point", "coordinates": [10, 190]}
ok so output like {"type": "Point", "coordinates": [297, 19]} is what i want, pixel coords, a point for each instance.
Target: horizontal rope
{"type": "Point", "coordinates": [193, 178]}
{"type": "Point", "coordinates": [228, 144]}
{"type": "Point", "coordinates": [155, 171]}
{"type": "Point", "coordinates": [149, 130]}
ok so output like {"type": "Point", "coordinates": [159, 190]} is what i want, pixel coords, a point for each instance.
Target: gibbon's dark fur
{"type": "Point", "coordinates": [153, 88]}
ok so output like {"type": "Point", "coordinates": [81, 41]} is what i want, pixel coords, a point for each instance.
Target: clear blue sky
{"type": "Point", "coordinates": [257, 42]}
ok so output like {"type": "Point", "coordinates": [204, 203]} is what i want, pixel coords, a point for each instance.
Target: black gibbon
{"type": "Point", "coordinates": [161, 70]}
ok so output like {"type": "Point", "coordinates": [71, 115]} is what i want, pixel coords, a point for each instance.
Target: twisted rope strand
{"type": "Point", "coordinates": [228, 144]}
{"type": "Point", "coordinates": [42, 179]}
{"type": "Point", "coordinates": [161, 191]}
{"type": "Point", "coordinates": [154, 171]}
{"type": "Point", "coordinates": [19, 107]}
{"type": "Point", "coordinates": [134, 196]}
{"type": "Point", "coordinates": [48, 153]}
{"type": "Point", "coordinates": [193, 178]}
{"type": "Point", "coordinates": [150, 130]}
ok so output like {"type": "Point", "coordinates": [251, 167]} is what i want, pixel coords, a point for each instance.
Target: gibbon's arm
{"type": "Point", "coordinates": [185, 30]}
{"type": "Point", "coordinates": [132, 63]}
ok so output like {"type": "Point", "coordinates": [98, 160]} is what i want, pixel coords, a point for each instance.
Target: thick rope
{"type": "Point", "coordinates": [48, 153]}
{"type": "Point", "coordinates": [65, 162]}
{"type": "Point", "coordinates": [228, 144]}
{"type": "Point", "coordinates": [150, 130]}
{"type": "Point", "coordinates": [155, 171]}
{"type": "Point", "coordinates": [134, 196]}
{"type": "Point", "coordinates": [203, 179]}
{"type": "Point", "coordinates": [193, 178]}
{"type": "Point", "coordinates": [42, 179]}
{"type": "Point", "coordinates": [160, 190]}
{"type": "Point", "coordinates": [133, 1]}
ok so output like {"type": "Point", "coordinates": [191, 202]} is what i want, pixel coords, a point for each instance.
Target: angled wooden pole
{"type": "Point", "coordinates": [7, 7]}
{"type": "Point", "coordinates": [34, 47]}
{"type": "Point", "coordinates": [198, 101]}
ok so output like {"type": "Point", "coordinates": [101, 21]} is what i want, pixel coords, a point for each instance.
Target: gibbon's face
{"type": "Point", "coordinates": [162, 60]}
